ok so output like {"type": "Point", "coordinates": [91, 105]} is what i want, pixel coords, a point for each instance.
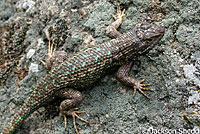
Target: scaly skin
{"type": "Point", "coordinates": [86, 67]}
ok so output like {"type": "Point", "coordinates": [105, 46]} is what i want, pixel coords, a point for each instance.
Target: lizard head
{"type": "Point", "coordinates": [149, 35]}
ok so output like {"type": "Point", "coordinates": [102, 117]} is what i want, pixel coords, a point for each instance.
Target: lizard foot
{"type": "Point", "coordinates": [74, 115]}
{"type": "Point", "coordinates": [111, 30]}
{"type": "Point", "coordinates": [51, 53]}
{"type": "Point", "coordinates": [120, 14]}
{"type": "Point", "coordinates": [54, 58]}
{"type": "Point", "coordinates": [140, 87]}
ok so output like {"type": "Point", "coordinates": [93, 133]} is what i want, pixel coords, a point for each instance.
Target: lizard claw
{"type": "Point", "coordinates": [51, 53]}
{"type": "Point", "coordinates": [74, 115]}
{"type": "Point", "coordinates": [120, 14]}
{"type": "Point", "coordinates": [140, 87]}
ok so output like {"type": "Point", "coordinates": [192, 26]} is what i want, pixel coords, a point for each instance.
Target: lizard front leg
{"type": "Point", "coordinates": [122, 75]}
{"type": "Point", "coordinates": [111, 30]}
{"type": "Point", "coordinates": [123, 71]}
{"type": "Point", "coordinates": [72, 98]}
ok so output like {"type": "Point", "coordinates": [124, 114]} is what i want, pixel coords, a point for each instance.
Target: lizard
{"type": "Point", "coordinates": [68, 75]}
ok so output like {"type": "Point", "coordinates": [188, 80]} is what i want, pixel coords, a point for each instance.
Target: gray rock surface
{"type": "Point", "coordinates": [172, 67]}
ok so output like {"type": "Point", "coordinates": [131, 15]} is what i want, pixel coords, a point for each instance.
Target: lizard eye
{"type": "Point", "coordinates": [150, 39]}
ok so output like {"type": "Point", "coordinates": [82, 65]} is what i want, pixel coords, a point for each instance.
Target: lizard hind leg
{"type": "Point", "coordinates": [54, 58]}
{"type": "Point", "coordinates": [72, 98]}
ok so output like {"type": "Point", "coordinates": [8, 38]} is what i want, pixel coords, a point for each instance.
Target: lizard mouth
{"type": "Point", "coordinates": [153, 43]}
{"type": "Point", "coordinates": [156, 36]}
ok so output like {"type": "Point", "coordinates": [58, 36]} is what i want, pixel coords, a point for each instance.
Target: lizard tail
{"type": "Point", "coordinates": [38, 97]}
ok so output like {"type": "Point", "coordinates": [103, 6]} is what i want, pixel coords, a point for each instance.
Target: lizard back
{"type": "Point", "coordinates": [87, 66]}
